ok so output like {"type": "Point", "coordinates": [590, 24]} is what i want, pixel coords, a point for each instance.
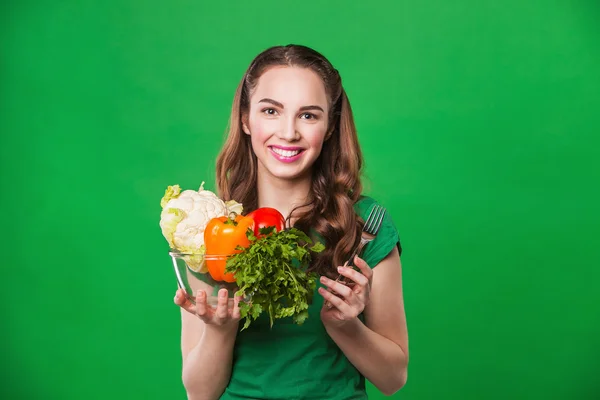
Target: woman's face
{"type": "Point", "coordinates": [287, 121]}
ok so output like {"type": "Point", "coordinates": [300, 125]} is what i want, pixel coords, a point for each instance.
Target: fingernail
{"type": "Point", "coordinates": [340, 269]}
{"type": "Point", "coordinates": [222, 294]}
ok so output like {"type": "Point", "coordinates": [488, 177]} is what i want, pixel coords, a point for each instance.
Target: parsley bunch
{"type": "Point", "coordinates": [273, 272]}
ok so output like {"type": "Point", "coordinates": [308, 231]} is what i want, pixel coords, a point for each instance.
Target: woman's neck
{"type": "Point", "coordinates": [281, 194]}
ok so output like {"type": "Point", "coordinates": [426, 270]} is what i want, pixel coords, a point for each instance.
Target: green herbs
{"type": "Point", "coordinates": [272, 272]}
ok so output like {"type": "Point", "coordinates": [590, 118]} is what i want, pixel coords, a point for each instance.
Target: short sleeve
{"type": "Point", "coordinates": [387, 238]}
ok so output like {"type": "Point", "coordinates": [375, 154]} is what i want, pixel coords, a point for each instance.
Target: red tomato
{"type": "Point", "coordinates": [266, 217]}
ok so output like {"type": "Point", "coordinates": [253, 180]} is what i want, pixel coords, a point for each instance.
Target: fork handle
{"type": "Point", "coordinates": [350, 262]}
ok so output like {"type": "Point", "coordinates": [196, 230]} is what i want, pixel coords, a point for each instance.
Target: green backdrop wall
{"type": "Point", "coordinates": [479, 123]}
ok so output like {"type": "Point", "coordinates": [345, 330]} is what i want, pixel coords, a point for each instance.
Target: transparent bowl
{"type": "Point", "coordinates": [192, 274]}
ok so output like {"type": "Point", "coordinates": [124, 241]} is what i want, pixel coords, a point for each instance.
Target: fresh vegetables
{"type": "Point", "coordinates": [225, 236]}
{"type": "Point", "coordinates": [273, 271]}
{"type": "Point", "coordinates": [266, 217]}
{"type": "Point", "coordinates": [184, 217]}
{"type": "Point", "coordinates": [267, 262]}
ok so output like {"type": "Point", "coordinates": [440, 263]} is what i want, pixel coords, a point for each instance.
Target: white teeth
{"type": "Point", "coordinates": [286, 153]}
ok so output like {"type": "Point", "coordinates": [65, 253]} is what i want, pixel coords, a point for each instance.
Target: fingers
{"type": "Point", "coordinates": [184, 302]}
{"type": "Point", "coordinates": [219, 315]}
{"type": "Point", "coordinates": [364, 267]}
{"type": "Point", "coordinates": [201, 306]}
{"type": "Point", "coordinates": [222, 305]}
{"type": "Point", "coordinates": [354, 275]}
{"type": "Point", "coordinates": [179, 297]}
{"type": "Point", "coordinates": [338, 303]}
{"type": "Point", "coordinates": [337, 287]}
{"type": "Point", "coordinates": [351, 296]}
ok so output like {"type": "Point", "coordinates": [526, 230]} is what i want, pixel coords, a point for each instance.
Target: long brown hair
{"type": "Point", "coordinates": [336, 184]}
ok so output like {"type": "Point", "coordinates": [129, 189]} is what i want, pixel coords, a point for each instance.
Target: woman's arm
{"type": "Point", "coordinates": [207, 348]}
{"type": "Point", "coordinates": [379, 347]}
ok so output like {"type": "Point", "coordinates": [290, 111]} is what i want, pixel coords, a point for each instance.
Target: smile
{"type": "Point", "coordinates": [286, 155]}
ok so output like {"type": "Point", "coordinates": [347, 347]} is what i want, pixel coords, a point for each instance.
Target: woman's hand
{"type": "Point", "coordinates": [347, 300]}
{"type": "Point", "coordinates": [221, 316]}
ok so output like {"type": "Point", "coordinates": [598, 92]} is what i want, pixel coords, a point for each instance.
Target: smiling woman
{"type": "Point", "coordinates": [293, 147]}
{"type": "Point", "coordinates": [281, 128]}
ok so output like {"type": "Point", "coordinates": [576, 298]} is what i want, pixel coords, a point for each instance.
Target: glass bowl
{"type": "Point", "coordinates": [192, 274]}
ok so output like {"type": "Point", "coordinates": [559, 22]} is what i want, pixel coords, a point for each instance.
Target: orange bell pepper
{"type": "Point", "coordinates": [221, 237]}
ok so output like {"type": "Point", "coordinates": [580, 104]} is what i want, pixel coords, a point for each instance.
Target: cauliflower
{"type": "Point", "coordinates": [184, 217]}
{"type": "Point", "coordinates": [234, 207]}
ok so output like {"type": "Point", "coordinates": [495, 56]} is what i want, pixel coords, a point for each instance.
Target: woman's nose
{"type": "Point", "coordinates": [288, 130]}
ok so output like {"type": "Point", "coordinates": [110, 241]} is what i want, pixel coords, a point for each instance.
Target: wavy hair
{"type": "Point", "coordinates": [336, 183]}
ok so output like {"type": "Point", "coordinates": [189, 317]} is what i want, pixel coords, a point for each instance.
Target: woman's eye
{"type": "Point", "coordinates": [309, 116]}
{"type": "Point", "coordinates": [269, 111]}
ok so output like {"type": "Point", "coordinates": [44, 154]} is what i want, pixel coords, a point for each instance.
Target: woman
{"type": "Point", "coordinates": [292, 145]}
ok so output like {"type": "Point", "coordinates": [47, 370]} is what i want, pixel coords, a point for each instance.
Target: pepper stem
{"type": "Point", "coordinates": [231, 219]}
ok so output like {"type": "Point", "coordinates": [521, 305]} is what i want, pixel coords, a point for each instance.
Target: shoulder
{"type": "Point", "coordinates": [387, 238]}
{"type": "Point", "coordinates": [363, 205]}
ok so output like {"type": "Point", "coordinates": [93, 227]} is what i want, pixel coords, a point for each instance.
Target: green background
{"type": "Point", "coordinates": [479, 123]}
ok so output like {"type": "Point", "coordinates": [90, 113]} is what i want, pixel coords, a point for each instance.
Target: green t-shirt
{"type": "Point", "coordinates": [301, 361]}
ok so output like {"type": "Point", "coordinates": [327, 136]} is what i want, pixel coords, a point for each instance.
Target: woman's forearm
{"type": "Point", "coordinates": [379, 359]}
{"type": "Point", "coordinates": [207, 367]}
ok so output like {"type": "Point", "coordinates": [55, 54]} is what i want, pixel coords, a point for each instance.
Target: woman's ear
{"type": "Point", "coordinates": [245, 124]}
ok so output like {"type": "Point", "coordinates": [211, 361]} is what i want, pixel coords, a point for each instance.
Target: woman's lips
{"type": "Point", "coordinates": [286, 154]}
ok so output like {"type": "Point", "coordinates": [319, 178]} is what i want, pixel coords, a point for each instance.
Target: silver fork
{"type": "Point", "coordinates": [370, 230]}
{"type": "Point", "coordinates": [368, 234]}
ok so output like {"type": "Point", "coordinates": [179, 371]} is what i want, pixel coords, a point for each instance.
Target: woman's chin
{"type": "Point", "coordinates": [289, 173]}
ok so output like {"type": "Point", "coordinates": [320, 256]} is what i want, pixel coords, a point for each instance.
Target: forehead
{"type": "Point", "coordinates": [292, 86]}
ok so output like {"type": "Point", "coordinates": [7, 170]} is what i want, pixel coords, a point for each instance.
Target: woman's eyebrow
{"type": "Point", "coordinates": [306, 108]}
{"type": "Point", "coordinates": [278, 104]}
